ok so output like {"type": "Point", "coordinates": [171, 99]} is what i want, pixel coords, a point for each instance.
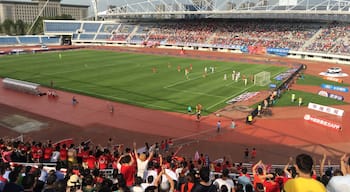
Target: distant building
{"type": "Point", "coordinates": [27, 11]}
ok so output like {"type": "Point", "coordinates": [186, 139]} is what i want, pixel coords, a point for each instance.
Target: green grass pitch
{"type": "Point", "coordinates": [129, 78]}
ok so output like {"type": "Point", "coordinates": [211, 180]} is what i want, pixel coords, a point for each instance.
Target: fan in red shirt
{"type": "Point", "coordinates": [36, 152]}
{"type": "Point", "coordinates": [127, 169]}
{"type": "Point", "coordinates": [48, 152]}
{"type": "Point", "coordinates": [91, 161]}
{"type": "Point", "coordinates": [63, 154]}
{"type": "Point", "coordinates": [218, 167]}
{"type": "Point", "coordinates": [102, 162]}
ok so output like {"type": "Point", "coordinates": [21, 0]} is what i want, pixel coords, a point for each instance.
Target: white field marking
{"type": "Point", "coordinates": [182, 81]}
{"type": "Point", "coordinates": [215, 104]}
{"type": "Point", "coordinates": [198, 77]}
{"type": "Point", "coordinates": [194, 92]}
{"type": "Point", "coordinates": [122, 99]}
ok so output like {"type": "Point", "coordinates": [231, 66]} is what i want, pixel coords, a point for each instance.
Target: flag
{"type": "Point", "coordinates": [68, 142]}
{"type": "Point", "coordinates": [19, 138]}
{"type": "Point", "coordinates": [196, 156]}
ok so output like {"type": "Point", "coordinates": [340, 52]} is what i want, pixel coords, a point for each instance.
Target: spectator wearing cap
{"type": "Point", "coordinates": [304, 181]}
{"type": "Point", "coordinates": [341, 183]}
{"type": "Point", "coordinates": [73, 181]}
{"type": "Point", "coordinates": [225, 180]}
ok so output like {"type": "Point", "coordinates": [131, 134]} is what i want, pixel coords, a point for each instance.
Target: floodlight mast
{"type": "Point", "coordinates": [37, 17]}
{"type": "Point", "coordinates": [94, 5]}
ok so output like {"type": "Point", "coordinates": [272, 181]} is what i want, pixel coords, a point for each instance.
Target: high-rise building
{"type": "Point", "coordinates": [204, 4]}
{"type": "Point", "coordinates": [27, 11]}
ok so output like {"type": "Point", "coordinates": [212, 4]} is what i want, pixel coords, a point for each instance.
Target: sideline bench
{"type": "Point", "coordinates": [22, 86]}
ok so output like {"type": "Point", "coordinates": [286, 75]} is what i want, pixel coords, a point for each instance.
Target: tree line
{"type": "Point", "coordinates": [19, 27]}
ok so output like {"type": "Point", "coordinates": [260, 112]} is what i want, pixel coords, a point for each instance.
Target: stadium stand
{"type": "Point", "coordinates": [297, 39]}
{"type": "Point", "coordinates": [7, 40]}
{"type": "Point", "coordinates": [91, 27]}
{"type": "Point", "coordinates": [64, 26]}
{"type": "Point", "coordinates": [47, 40]}
{"type": "Point", "coordinates": [296, 36]}
{"type": "Point", "coordinates": [70, 163]}
{"type": "Point", "coordinates": [29, 40]}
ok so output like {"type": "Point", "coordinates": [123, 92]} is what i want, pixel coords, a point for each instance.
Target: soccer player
{"type": "Point", "coordinates": [186, 73]}
{"type": "Point", "coordinates": [189, 109]}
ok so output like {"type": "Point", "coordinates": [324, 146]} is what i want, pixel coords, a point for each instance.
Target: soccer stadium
{"type": "Point", "coordinates": [245, 88]}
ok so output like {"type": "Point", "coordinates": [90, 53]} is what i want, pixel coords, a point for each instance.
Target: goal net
{"type": "Point", "coordinates": [262, 78]}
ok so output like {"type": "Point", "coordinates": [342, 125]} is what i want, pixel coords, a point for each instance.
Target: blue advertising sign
{"type": "Point", "coordinates": [244, 49]}
{"type": "Point", "coordinates": [238, 47]}
{"type": "Point", "coordinates": [278, 51]}
{"type": "Point", "coordinates": [335, 88]}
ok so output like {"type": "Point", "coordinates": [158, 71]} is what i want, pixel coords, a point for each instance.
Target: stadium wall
{"type": "Point", "coordinates": [322, 57]}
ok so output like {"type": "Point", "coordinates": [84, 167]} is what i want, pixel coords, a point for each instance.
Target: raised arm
{"type": "Point", "coordinates": [263, 168]}
{"type": "Point", "coordinates": [290, 160]}
{"type": "Point", "coordinates": [323, 160]}
{"type": "Point", "coordinates": [150, 156]}
{"type": "Point", "coordinates": [159, 176]}
{"type": "Point", "coordinates": [135, 150]}
{"type": "Point", "coordinates": [171, 181]}
{"type": "Point", "coordinates": [132, 159]}
{"type": "Point", "coordinates": [160, 160]}
{"type": "Point", "coordinates": [255, 166]}
{"type": "Point", "coordinates": [342, 164]}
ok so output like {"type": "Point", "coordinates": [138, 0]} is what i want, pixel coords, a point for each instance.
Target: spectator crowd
{"type": "Point", "coordinates": [55, 167]}
{"type": "Point", "coordinates": [298, 36]}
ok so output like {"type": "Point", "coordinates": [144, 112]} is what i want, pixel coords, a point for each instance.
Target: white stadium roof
{"type": "Point", "coordinates": [288, 9]}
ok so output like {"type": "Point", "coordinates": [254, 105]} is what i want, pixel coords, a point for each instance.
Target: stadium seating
{"type": "Point", "coordinates": [109, 27]}
{"type": "Point", "coordinates": [314, 37]}
{"type": "Point", "coordinates": [87, 36]}
{"type": "Point", "coordinates": [103, 37]}
{"type": "Point", "coordinates": [47, 40]}
{"type": "Point", "coordinates": [7, 40]}
{"type": "Point", "coordinates": [71, 27]}
{"type": "Point", "coordinates": [29, 40]}
{"type": "Point", "coordinates": [91, 27]}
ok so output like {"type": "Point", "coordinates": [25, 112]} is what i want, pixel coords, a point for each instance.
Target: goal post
{"type": "Point", "coordinates": [263, 78]}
